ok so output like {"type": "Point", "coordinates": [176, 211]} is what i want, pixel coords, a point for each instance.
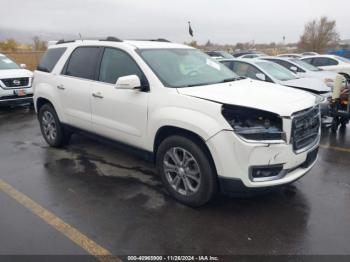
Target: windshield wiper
{"type": "Point", "coordinates": [200, 84]}
{"type": "Point", "coordinates": [231, 79]}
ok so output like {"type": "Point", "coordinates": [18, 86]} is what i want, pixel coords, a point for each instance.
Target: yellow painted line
{"type": "Point", "coordinates": [342, 149]}
{"type": "Point", "coordinates": [72, 233]}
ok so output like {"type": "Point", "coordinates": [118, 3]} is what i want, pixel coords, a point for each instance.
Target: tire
{"type": "Point", "coordinates": [51, 128]}
{"type": "Point", "coordinates": [180, 177]}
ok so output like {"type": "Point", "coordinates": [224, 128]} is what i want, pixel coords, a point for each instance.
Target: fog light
{"type": "Point", "coordinates": [266, 173]}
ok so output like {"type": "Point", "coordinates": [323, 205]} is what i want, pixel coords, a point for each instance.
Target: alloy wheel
{"type": "Point", "coordinates": [182, 171]}
{"type": "Point", "coordinates": [49, 126]}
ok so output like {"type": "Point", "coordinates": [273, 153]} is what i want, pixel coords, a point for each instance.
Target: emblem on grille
{"type": "Point", "coordinates": [16, 82]}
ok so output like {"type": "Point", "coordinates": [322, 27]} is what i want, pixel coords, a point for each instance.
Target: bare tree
{"type": "Point", "coordinates": [39, 45]}
{"type": "Point", "coordinates": [319, 35]}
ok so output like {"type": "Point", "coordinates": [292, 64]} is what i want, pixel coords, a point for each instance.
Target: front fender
{"type": "Point", "coordinates": [199, 123]}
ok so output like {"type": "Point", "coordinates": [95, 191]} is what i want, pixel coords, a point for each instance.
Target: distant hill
{"type": "Point", "coordinates": [26, 37]}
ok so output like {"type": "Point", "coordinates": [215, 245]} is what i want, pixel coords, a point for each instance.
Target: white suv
{"type": "Point", "coordinates": [206, 128]}
{"type": "Point", "coordinates": [15, 83]}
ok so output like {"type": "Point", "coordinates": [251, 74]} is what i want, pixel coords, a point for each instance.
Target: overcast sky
{"type": "Point", "coordinates": [221, 21]}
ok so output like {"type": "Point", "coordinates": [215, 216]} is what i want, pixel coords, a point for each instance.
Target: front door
{"type": "Point", "coordinates": [119, 114]}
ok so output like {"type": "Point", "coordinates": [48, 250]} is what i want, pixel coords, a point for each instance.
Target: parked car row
{"type": "Point", "coordinates": [267, 71]}
{"type": "Point", "coordinates": [298, 55]}
{"type": "Point", "coordinates": [303, 69]}
{"type": "Point", "coordinates": [308, 71]}
{"type": "Point", "coordinates": [206, 128]}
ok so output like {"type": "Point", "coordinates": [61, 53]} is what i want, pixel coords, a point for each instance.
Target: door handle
{"type": "Point", "coordinates": [97, 95]}
{"type": "Point", "coordinates": [60, 87]}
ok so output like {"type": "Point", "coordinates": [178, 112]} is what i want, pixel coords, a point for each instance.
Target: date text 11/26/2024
{"type": "Point", "coordinates": [173, 258]}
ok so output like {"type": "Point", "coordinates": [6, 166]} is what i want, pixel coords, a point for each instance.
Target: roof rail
{"type": "Point", "coordinates": [161, 40]}
{"type": "Point", "coordinates": [62, 41]}
{"type": "Point", "coordinates": [153, 40]}
{"type": "Point", "coordinates": [112, 39]}
{"type": "Point", "coordinates": [109, 38]}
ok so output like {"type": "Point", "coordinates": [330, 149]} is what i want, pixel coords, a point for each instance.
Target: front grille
{"type": "Point", "coordinates": [16, 82]}
{"type": "Point", "coordinates": [305, 128]}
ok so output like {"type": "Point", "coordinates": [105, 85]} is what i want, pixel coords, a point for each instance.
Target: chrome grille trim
{"type": "Point", "coordinates": [305, 129]}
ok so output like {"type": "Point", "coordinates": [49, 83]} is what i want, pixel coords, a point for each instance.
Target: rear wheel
{"type": "Point", "coordinates": [51, 128]}
{"type": "Point", "coordinates": [186, 171]}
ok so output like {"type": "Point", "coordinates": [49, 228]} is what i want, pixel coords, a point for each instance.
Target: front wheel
{"type": "Point", "coordinates": [51, 127]}
{"type": "Point", "coordinates": [186, 171]}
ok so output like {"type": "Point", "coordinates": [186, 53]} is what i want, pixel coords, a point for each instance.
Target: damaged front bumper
{"type": "Point", "coordinates": [249, 164]}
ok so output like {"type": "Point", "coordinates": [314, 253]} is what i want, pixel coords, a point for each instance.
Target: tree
{"type": "Point", "coordinates": [319, 35]}
{"type": "Point", "coordinates": [240, 46]}
{"type": "Point", "coordinates": [208, 44]}
{"type": "Point", "coordinates": [194, 44]}
{"type": "Point", "coordinates": [39, 45]}
{"type": "Point", "coordinates": [9, 45]}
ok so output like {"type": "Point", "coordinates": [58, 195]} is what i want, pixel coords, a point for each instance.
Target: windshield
{"type": "Point", "coordinates": [343, 59]}
{"type": "Point", "coordinates": [305, 65]}
{"type": "Point", "coordinates": [6, 63]}
{"type": "Point", "coordinates": [186, 67]}
{"type": "Point", "coordinates": [276, 71]}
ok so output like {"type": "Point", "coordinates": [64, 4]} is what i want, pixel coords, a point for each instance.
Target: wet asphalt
{"type": "Point", "coordinates": [116, 199]}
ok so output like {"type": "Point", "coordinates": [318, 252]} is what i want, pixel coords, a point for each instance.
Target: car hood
{"type": "Point", "coordinates": [311, 84]}
{"type": "Point", "coordinates": [15, 73]}
{"type": "Point", "coordinates": [254, 94]}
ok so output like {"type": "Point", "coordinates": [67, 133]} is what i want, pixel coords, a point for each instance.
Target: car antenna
{"type": "Point", "coordinates": [81, 38]}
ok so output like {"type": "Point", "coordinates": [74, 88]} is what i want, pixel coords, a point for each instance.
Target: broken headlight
{"type": "Point", "coordinates": [253, 124]}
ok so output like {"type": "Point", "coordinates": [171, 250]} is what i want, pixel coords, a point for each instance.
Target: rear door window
{"type": "Point", "coordinates": [83, 63]}
{"type": "Point", "coordinates": [50, 59]}
{"type": "Point", "coordinates": [324, 61]}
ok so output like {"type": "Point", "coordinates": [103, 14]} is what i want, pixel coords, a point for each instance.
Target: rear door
{"type": "Point", "coordinates": [74, 85]}
{"type": "Point", "coordinates": [119, 114]}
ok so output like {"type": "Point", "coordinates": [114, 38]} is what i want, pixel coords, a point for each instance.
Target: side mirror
{"type": "Point", "coordinates": [128, 82]}
{"type": "Point", "coordinates": [261, 76]}
{"type": "Point", "coordinates": [24, 66]}
{"type": "Point", "coordinates": [294, 69]}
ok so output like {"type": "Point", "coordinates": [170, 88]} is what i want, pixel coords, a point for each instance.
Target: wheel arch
{"type": "Point", "coordinates": [168, 131]}
{"type": "Point", "coordinates": [42, 100]}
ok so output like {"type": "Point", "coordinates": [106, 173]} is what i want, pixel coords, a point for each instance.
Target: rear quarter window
{"type": "Point", "coordinates": [50, 59]}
